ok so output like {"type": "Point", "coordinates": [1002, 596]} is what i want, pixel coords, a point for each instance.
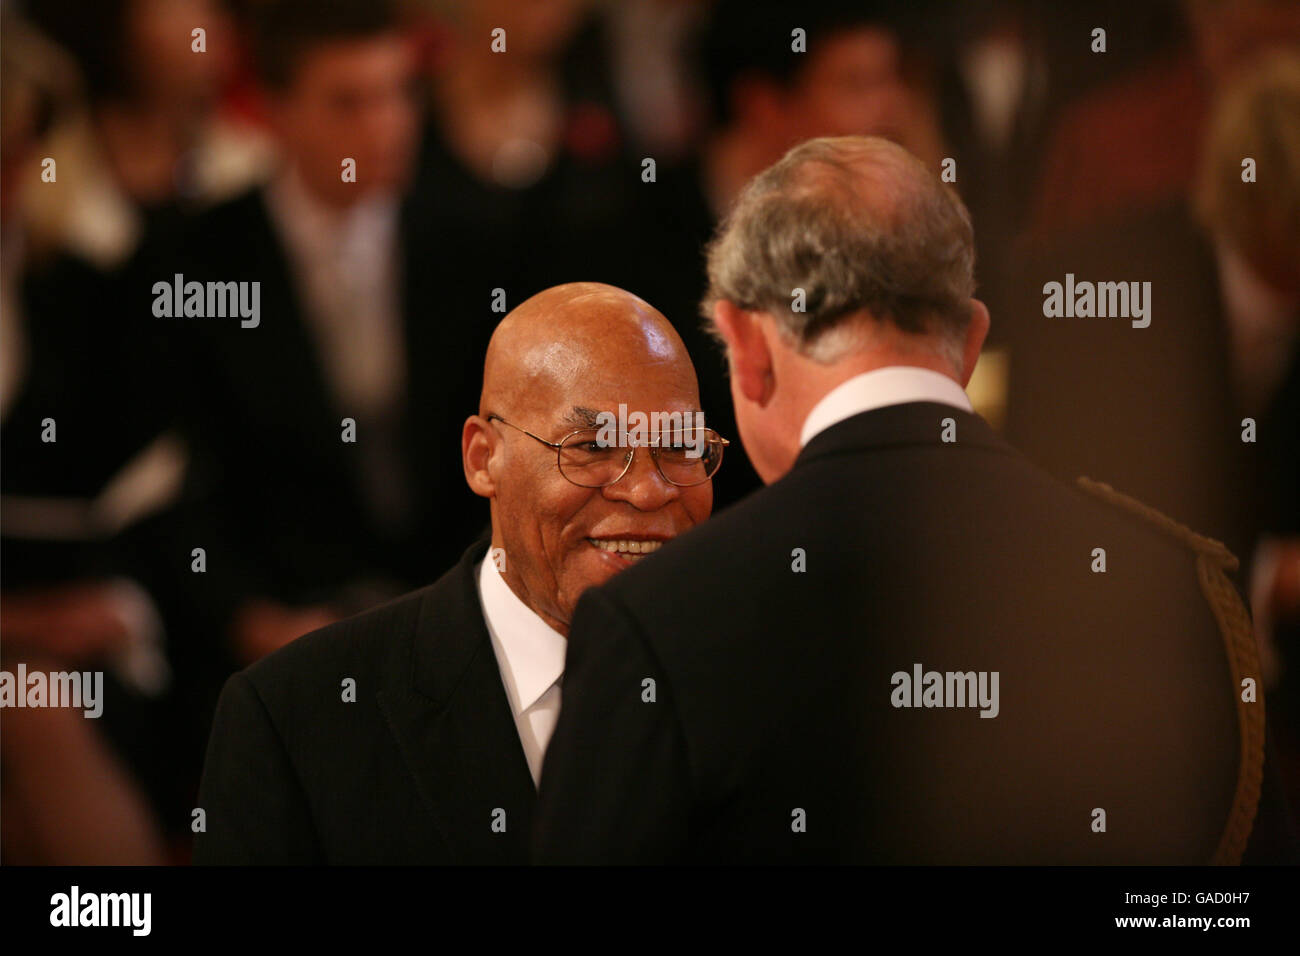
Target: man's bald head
{"type": "Point", "coordinates": [555, 365]}
{"type": "Point", "coordinates": [570, 332]}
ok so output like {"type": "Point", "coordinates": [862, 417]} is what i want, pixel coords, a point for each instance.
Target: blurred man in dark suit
{"type": "Point", "coordinates": [315, 425]}
{"type": "Point", "coordinates": [913, 646]}
{"type": "Point", "coordinates": [415, 733]}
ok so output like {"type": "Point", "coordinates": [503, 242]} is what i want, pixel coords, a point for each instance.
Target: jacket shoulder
{"type": "Point", "coordinates": [1214, 562]}
{"type": "Point", "coordinates": [1213, 551]}
{"type": "Point", "coordinates": [356, 645]}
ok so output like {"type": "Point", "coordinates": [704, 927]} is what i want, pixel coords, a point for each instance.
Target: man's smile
{"type": "Point", "coordinates": [628, 549]}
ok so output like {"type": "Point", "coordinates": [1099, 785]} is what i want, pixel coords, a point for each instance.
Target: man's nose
{"type": "Point", "coordinates": [643, 487]}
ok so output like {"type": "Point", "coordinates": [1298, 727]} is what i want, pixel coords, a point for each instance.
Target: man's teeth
{"type": "Point", "coordinates": [626, 546]}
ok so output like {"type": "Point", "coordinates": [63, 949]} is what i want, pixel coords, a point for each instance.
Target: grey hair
{"type": "Point", "coordinates": [858, 224]}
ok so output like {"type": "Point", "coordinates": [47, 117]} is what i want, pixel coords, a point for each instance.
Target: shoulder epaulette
{"type": "Point", "coordinates": [1215, 550]}
{"type": "Point", "coordinates": [1213, 564]}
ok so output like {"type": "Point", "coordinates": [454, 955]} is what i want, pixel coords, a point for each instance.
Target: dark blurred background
{"type": "Point", "coordinates": [484, 176]}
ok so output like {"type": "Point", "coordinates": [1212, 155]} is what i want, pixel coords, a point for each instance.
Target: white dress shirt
{"type": "Point", "coordinates": [345, 266]}
{"type": "Point", "coordinates": [894, 385]}
{"type": "Point", "coordinates": [346, 269]}
{"type": "Point", "coordinates": [530, 656]}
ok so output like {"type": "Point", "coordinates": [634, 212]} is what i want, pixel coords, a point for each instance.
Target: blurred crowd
{"type": "Point", "coordinates": [180, 493]}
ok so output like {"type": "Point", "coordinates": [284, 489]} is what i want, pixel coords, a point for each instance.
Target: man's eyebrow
{"type": "Point", "coordinates": [582, 417]}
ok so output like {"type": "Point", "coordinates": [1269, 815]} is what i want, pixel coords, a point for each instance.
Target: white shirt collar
{"type": "Point", "coordinates": [312, 229]}
{"type": "Point", "coordinates": [894, 385]}
{"type": "Point", "coordinates": [529, 651]}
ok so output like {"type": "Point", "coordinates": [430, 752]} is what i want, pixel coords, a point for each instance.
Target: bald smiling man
{"type": "Point", "coordinates": [414, 733]}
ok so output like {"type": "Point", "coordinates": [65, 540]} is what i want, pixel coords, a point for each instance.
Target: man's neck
{"type": "Point", "coordinates": [512, 580]}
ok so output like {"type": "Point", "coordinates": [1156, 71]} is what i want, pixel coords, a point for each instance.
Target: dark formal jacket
{"type": "Point", "coordinates": [293, 516]}
{"type": "Point", "coordinates": [424, 766]}
{"type": "Point", "coordinates": [736, 696]}
{"type": "Point", "coordinates": [76, 370]}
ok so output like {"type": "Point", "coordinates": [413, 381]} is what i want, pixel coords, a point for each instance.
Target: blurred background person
{"type": "Point", "coordinates": [92, 521]}
{"type": "Point", "coordinates": [522, 154]}
{"type": "Point", "coordinates": [150, 138]}
{"type": "Point", "coordinates": [658, 93]}
{"type": "Point", "coordinates": [361, 320]}
{"type": "Point", "coordinates": [1136, 140]}
{"type": "Point", "coordinates": [1254, 230]}
{"type": "Point", "coordinates": [70, 791]}
{"type": "Point", "coordinates": [1001, 73]}
{"type": "Point", "coordinates": [1162, 410]}
{"type": "Point", "coordinates": [523, 167]}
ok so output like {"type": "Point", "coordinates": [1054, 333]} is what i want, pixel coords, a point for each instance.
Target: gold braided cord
{"type": "Point", "coordinates": [1213, 562]}
{"type": "Point", "coordinates": [1243, 657]}
{"type": "Point", "coordinates": [1197, 542]}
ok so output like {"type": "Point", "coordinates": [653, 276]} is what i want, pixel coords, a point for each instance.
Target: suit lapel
{"type": "Point", "coordinates": [449, 712]}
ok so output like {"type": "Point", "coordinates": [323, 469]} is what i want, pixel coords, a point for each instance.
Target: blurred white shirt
{"type": "Point", "coordinates": [345, 265]}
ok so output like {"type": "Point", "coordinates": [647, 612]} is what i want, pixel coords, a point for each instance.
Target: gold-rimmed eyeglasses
{"type": "Point", "coordinates": [686, 456]}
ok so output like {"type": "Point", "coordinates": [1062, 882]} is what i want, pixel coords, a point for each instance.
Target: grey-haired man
{"type": "Point", "coordinates": [913, 646]}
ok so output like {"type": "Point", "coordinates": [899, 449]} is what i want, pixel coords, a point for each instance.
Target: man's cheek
{"type": "Point", "coordinates": [703, 504]}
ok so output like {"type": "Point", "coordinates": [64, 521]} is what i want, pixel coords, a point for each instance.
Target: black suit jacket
{"type": "Point", "coordinates": [769, 734]}
{"type": "Point", "coordinates": [289, 505]}
{"type": "Point", "coordinates": [416, 771]}
{"type": "Point", "coordinates": [76, 369]}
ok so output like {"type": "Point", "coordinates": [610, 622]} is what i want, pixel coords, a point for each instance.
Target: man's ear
{"type": "Point", "coordinates": [976, 332]}
{"type": "Point", "coordinates": [747, 350]}
{"type": "Point", "coordinates": [476, 450]}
